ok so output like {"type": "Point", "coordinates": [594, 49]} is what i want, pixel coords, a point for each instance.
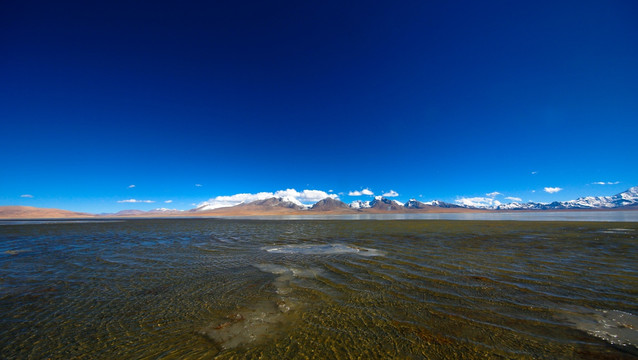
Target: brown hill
{"type": "Point", "coordinates": [273, 202]}
{"type": "Point", "coordinates": [330, 204]}
{"type": "Point", "coordinates": [131, 212]}
{"type": "Point", "coordinates": [30, 212]}
{"type": "Point", "coordinates": [271, 206]}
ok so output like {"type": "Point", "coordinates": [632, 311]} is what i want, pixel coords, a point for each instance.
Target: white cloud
{"type": "Point", "coordinates": [135, 201]}
{"type": "Point", "coordinates": [168, 201]}
{"type": "Point", "coordinates": [27, 196]}
{"type": "Point", "coordinates": [493, 194]}
{"type": "Point", "coordinates": [305, 196]}
{"type": "Point", "coordinates": [198, 185]}
{"type": "Point", "coordinates": [391, 193]}
{"type": "Point", "coordinates": [512, 198]}
{"type": "Point", "coordinates": [131, 186]}
{"type": "Point", "coordinates": [534, 172]}
{"type": "Point", "coordinates": [478, 202]}
{"type": "Point", "coordinates": [365, 191]}
{"type": "Point", "coordinates": [298, 197]}
{"type": "Point", "coordinates": [232, 200]}
{"type": "Point", "coordinates": [552, 190]}
{"type": "Point", "coordinates": [606, 183]}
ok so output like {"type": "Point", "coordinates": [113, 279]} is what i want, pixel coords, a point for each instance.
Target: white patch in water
{"type": "Point", "coordinates": [614, 326]}
{"type": "Point", "coordinates": [617, 231]}
{"type": "Point", "coordinates": [288, 270]}
{"type": "Point", "coordinates": [273, 269]}
{"type": "Point", "coordinates": [16, 252]}
{"type": "Point", "coordinates": [263, 320]}
{"type": "Point", "coordinates": [323, 249]}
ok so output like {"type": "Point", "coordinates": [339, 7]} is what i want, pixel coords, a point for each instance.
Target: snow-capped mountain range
{"type": "Point", "coordinates": [284, 201]}
{"type": "Point", "coordinates": [628, 198]}
{"type": "Point", "coordinates": [267, 204]}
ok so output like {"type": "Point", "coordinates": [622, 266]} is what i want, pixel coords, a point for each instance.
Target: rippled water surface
{"type": "Point", "coordinates": [331, 289]}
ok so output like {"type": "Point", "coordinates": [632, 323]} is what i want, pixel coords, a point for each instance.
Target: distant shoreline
{"type": "Point", "coordinates": [30, 213]}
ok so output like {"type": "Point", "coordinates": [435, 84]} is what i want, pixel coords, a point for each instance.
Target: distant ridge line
{"type": "Point", "coordinates": [626, 200]}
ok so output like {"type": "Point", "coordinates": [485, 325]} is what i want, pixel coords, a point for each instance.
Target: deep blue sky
{"type": "Point", "coordinates": [430, 99]}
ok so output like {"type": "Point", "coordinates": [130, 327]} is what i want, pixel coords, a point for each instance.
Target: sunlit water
{"type": "Point", "coordinates": [321, 289]}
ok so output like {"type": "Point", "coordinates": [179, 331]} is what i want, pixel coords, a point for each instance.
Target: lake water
{"type": "Point", "coordinates": [320, 289]}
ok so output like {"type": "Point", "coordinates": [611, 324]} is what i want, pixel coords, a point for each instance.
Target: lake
{"type": "Point", "coordinates": [320, 289]}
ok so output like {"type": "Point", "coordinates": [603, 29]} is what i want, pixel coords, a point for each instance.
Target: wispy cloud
{"type": "Point", "coordinates": [493, 194]}
{"type": "Point", "coordinates": [512, 198]}
{"type": "Point", "coordinates": [299, 197]}
{"type": "Point", "coordinates": [198, 185]}
{"type": "Point", "coordinates": [365, 191]}
{"type": "Point", "coordinates": [29, 196]}
{"type": "Point", "coordinates": [534, 172]}
{"type": "Point", "coordinates": [391, 193]}
{"type": "Point", "coordinates": [135, 201]}
{"type": "Point", "coordinates": [606, 183]}
{"type": "Point", "coordinates": [168, 201]}
{"type": "Point", "coordinates": [478, 202]}
{"type": "Point", "coordinates": [131, 186]}
{"type": "Point", "coordinates": [552, 190]}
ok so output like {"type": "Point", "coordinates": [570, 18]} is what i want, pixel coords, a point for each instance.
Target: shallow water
{"type": "Point", "coordinates": [209, 288]}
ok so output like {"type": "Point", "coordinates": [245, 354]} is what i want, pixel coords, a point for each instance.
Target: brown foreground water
{"type": "Point", "coordinates": [318, 289]}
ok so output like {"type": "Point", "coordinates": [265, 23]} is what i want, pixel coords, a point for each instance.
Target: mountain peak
{"type": "Point", "coordinates": [276, 202]}
{"type": "Point", "coordinates": [415, 204]}
{"type": "Point", "coordinates": [329, 204]}
{"type": "Point", "coordinates": [382, 203]}
{"type": "Point", "coordinates": [628, 197]}
{"type": "Point", "coordinates": [360, 204]}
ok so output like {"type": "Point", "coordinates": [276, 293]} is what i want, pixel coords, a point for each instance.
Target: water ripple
{"type": "Point", "coordinates": [206, 288]}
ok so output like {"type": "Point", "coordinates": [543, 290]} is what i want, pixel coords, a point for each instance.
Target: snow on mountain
{"type": "Point", "coordinates": [385, 204]}
{"type": "Point", "coordinates": [303, 198]}
{"type": "Point", "coordinates": [414, 204]}
{"type": "Point", "coordinates": [281, 202]}
{"type": "Point", "coordinates": [522, 206]}
{"type": "Point", "coordinates": [233, 200]}
{"type": "Point", "coordinates": [625, 198]}
{"type": "Point", "coordinates": [359, 204]}
{"type": "Point", "coordinates": [441, 204]}
{"type": "Point", "coordinates": [291, 199]}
